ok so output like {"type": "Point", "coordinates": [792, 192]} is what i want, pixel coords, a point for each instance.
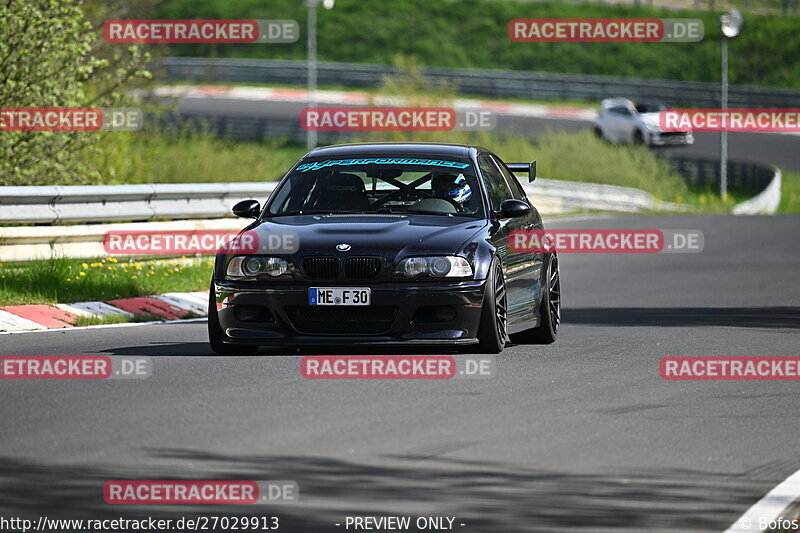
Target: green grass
{"type": "Point", "coordinates": [473, 34]}
{"type": "Point", "coordinates": [61, 280]}
{"type": "Point", "coordinates": [790, 193]}
{"type": "Point", "coordinates": [152, 157]}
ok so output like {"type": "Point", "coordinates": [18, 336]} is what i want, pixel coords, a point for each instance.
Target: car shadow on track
{"type": "Point", "coordinates": [485, 496]}
{"type": "Point", "coordinates": [157, 349]}
{"type": "Point", "coordinates": [738, 317]}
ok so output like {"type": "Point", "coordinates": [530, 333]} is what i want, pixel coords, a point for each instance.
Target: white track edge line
{"type": "Point", "coordinates": [769, 507]}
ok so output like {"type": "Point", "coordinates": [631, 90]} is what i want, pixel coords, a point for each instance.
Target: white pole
{"type": "Point", "coordinates": [723, 148]}
{"type": "Point", "coordinates": [311, 136]}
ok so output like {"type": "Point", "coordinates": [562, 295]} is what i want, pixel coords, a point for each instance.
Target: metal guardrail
{"type": "Point", "coordinates": [146, 202]}
{"type": "Point", "coordinates": [202, 206]}
{"type": "Point", "coordinates": [497, 83]}
{"type": "Point", "coordinates": [765, 202]}
{"type": "Point", "coordinates": [109, 203]}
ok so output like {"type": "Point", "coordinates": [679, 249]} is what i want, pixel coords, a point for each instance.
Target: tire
{"type": "Point", "coordinates": [216, 335]}
{"type": "Point", "coordinates": [549, 308]}
{"type": "Point", "coordinates": [493, 328]}
{"type": "Point", "coordinates": [638, 138]}
{"type": "Point", "coordinates": [599, 133]}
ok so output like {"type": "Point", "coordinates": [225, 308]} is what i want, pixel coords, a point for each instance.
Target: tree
{"type": "Point", "coordinates": [50, 56]}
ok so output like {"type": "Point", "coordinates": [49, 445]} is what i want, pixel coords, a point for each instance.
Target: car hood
{"type": "Point", "coordinates": [385, 235]}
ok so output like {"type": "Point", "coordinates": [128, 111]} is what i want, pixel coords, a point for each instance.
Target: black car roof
{"type": "Point", "coordinates": [401, 149]}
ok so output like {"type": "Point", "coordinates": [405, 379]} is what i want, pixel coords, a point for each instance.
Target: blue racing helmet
{"type": "Point", "coordinates": [452, 187]}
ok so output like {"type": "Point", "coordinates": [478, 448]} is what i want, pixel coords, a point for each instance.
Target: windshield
{"type": "Point", "coordinates": [380, 185]}
{"type": "Point", "coordinates": [650, 107]}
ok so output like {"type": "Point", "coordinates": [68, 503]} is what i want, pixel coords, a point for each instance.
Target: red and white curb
{"type": "Point", "coordinates": [355, 98]}
{"type": "Point", "coordinates": [167, 307]}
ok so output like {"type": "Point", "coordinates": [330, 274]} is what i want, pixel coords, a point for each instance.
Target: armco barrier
{"type": "Point", "coordinates": [495, 83]}
{"type": "Point", "coordinates": [743, 176]}
{"type": "Point", "coordinates": [49, 206]}
{"type": "Point", "coordinates": [765, 202]}
{"type": "Point", "coordinates": [55, 205]}
{"type": "Point", "coordinates": [108, 203]}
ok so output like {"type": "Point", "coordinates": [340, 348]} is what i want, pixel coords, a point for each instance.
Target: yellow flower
{"type": "Point", "coordinates": [152, 272]}
{"type": "Point", "coordinates": [84, 265]}
{"type": "Point", "coordinates": [134, 277]}
{"type": "Point", "coordinates": [183, 257]}
{"type": "Point", "coordinates": [111, 259]}
{"type": "Point", "coordinates": [95, 265]}
{"type": "Point", "coordinates": [69, 280]}
{"type": "Point", "coordinates": [82, 274]}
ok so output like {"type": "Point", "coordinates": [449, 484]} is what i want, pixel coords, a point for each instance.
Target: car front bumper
{"type": "Point", "coordinates": [671, 138]}
{"type": "Point", "coordinates": [400, 313]}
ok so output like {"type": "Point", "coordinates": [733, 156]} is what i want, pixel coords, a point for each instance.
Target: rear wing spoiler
{"type": "Point", "coordinates": [525, 168]}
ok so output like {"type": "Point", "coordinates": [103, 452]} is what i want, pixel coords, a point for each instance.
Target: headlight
{"type": "Point", "coordinates": [444, 266]}
{"type": "Point", "coordinates": [252, 266]}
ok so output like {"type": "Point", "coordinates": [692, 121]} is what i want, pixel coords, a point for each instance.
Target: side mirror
{"type": "Point", "coordinates": [513, 208]}
{"type": "Point", "coordinates": [247, 209]}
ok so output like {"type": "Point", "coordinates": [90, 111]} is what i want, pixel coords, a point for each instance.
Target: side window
{"type": "Point", "coordinates": [493, 180]}
{"type": "Point", "coordinates": [516, 189]}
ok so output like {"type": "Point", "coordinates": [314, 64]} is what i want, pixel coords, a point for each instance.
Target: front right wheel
{"type": "Point", "coordinates": [493, 328]}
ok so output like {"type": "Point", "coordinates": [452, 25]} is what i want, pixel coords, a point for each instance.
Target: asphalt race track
{"type": "Point", "coordinates": [582, 435]}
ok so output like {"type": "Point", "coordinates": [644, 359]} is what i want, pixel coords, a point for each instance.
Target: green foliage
{"type": "Point", "coordinates": [790, 193]}
{"type": "Point", "coordinates": [473, 34]}
{"type": "Point", "coordinates": [62, 280]}
{"type": "Point", "coordinates": [186, 157]}
{"type": "Point", "coordinates": [50, 57]}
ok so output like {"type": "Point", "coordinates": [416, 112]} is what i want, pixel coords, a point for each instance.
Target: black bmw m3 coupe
{"type": "Point", "coordinates": [394, 243]}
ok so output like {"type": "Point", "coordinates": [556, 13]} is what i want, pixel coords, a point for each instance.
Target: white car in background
{"type": "Point", "coordinates": [624, 121]}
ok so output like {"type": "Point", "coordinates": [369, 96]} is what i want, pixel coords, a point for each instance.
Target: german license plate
{"type": "Point", "coordinates": [339, 296]}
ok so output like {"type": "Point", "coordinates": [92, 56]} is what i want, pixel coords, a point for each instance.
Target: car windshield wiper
{"type": "Point", "coordinates": [308, 212]}
{"type": "Point", "coordinates": [426, 212]}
